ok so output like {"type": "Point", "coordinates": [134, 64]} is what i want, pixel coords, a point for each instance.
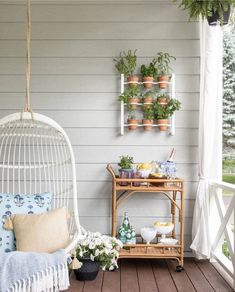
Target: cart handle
{"type": "Point", "coordinates": [110, 169]}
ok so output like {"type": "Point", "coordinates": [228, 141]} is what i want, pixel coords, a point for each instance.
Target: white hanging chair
{"type": "Point", "coordinates": [36, 156]}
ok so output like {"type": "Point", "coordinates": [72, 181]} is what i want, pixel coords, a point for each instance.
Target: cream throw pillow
{"type": "Point", "coordinates": [45, 232]}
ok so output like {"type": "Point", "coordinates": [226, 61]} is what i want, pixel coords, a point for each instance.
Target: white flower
{"type": "Point", "coordinates": [97, 252]}
{"type": "Point", "coordinates": [91, 245]}
{"type": "Point", "coordinates": [81, 254]}
{"type": "Point", "coordinates": [92, 257]}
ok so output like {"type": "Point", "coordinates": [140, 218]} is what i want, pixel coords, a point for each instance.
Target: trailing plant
{"type": "Point", "coordinates": [126, 162]}
{"type": "Point", "coordinates": [100, 248]}
{"type": "Point", "coordinates": [148, 113]}
{"type": "Point", "coordinates": [206, 8]}
{"type": "Point", "coordinates": [126, 62]}
{"type": "Point", "coordinates": [162, 62]}
{"type": "Point", "coordinates": [148, 71]}
{"type": "Point", "coordinates": [162, 112]}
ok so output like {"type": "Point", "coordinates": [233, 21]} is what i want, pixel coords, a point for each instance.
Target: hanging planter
{"type": "Point", "coordinates": [132, 121]}
{"type": "Point", "coordinates": [163, 99]}
{"type": "Point", "coordinates": [163, 112]}
{"type": "Point", "coordinates": [130, 97]}
{"type": "Point", "coordinates": [133, 102]}
{"type": "Point", "coordinates": [147, 99]}
{"type": "Point", "coordinates": [162, 62]}
{"type": "Point", "coordinates": [148, 116]}
{"type": "Point", "coordinates": [215, 11]}
{"type": "Point", "coordinates": [126, 64]}
{"type": "Point", "coordinates": [148, 73]}
{"type": "Point", "coordinates": [215, 18]}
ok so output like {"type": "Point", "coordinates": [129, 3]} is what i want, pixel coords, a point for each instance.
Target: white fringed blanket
{"type": "Point", "coordinates": [37, 272]}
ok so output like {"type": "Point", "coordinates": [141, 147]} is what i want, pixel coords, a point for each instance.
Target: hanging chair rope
{"type": "Point", "coordinates": [27, 107]}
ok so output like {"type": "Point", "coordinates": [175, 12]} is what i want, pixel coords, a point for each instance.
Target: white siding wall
{"type": "Point", "coordinates": [75, 83]}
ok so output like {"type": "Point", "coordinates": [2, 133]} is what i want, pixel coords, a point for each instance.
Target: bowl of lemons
{"type": "Point", "coordinates": [163, 228]}
{"type": "Point", "coordinates": [144, 169]}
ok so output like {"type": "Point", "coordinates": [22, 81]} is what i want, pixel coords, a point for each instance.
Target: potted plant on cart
{"type": "Point", "coordinates": [125, 168]}
{"type": "Point", "coordinates": [130, 97]}
{"type": "Point", "coordinates": [147, 99]}
{"type": "Point", "coordinates": [148, 116]}
{"type": "Point", "coordinates": [148, 74]}
{"type": "Point", "coordinates": [95, 251]}
{"type": "Point", "coordinates": [215, 11]}
{"type": "Point", "coordinates": [163, 112]}
{"type": "Point", "coordinates": [162, 62]}
{"type": "Point", "coordinates": [132, 120]}
{"type": "Point", "coordinates": [126, 64]}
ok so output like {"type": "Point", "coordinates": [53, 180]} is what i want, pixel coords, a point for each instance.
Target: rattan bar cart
{"type": "Point", "coordinates": [173, 189]}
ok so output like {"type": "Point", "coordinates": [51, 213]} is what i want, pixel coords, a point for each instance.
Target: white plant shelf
{"type": "Point", "coordinates": [171, 83]}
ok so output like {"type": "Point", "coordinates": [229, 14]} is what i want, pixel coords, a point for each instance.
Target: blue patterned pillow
{"type": "Point", "coordinates": [19, 204]}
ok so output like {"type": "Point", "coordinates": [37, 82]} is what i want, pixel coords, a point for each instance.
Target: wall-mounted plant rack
{"type": "Point", "coordinates": [171, 88]}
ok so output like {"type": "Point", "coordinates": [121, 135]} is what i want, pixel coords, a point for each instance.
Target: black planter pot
{"type": "Point", "coordinates": [214, 19]}
{"type": "Point", "coordinates": [88, 271]}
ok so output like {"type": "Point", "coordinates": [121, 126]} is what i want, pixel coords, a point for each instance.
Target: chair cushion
{"type": "Point", "coordinates": [19, 204]}
{"type": "Point", "coordinates": [46, 232]}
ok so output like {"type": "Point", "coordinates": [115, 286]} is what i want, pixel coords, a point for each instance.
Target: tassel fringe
{"type": "Point", "coordinates": [53, 279]}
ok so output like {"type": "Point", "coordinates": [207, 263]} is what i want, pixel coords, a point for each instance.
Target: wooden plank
{"type": "Point", "coordinates": [99, 48]}
{"type": "Point", "coordinates": [146, 277]}
{"type": "Point", "coordinates": [90, 13]}
{"type": "Point", "coordinates": [86, 66]}
{"type": "Point", "coordinates": [214, 278]}
{"type": "Point", "coordinates": [75, 285]}
{"type": "Point", "coordinates": [197, 277]}
{"type": "Point", "coordinates": [89, 31]}
{"type": "Point", "coordinates": [112, 281]}
{"type": "Point", "coordinates": [163, 277]}
{"type": "Point", "coordinates": [110, 119]}
{"type": "Point", "coordinates": [82, 83]}
{"type": "Point", "coordinates": [96, 285]}
{"type": "Point", "coordinates": [129, 279]}
{"type": "Point", "coordinates": [86, 154]}
{"type": "Point", "coordinates": [96, 172]}
{"type": "Point", "coordinates": [181, 280]}
{"type": "Point", "coordinates": [82, 101]}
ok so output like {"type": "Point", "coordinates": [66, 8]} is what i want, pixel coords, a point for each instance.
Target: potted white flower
{"type": "Point", "coordinates": [95, 251]}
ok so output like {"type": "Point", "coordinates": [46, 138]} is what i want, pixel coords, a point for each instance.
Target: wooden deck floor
{"type": "Point", "coordinates": [155, 276]}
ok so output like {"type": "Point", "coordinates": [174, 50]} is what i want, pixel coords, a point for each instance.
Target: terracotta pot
{"type": "Point", "coordinates": [163, 79]}
{"type": "Point", "coordinates": [163, 100]}
{"type": "Point", "coordinates": [132, 124]}
{"type": "Point", "coordinates": [149, 81]}
{"type": "Point", "coordinates": [133, 80]}
{"type": "Point", "coordinates": [162, 125]}
{"type": "Point", "coordinates": [133, 102]}
{"type": "Point", "coordinates": [148, 124]}
{"type": "Point", "coordinates": [148, 100]}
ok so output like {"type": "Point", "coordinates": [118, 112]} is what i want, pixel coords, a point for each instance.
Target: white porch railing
{"type": "Point", "coordinates": [222, 215]}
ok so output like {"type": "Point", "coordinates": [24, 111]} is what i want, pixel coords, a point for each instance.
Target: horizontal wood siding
{"type": "Point", "coordinates": [74, 82]}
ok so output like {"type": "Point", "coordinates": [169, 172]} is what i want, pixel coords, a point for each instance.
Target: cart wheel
{"type": "Point", "coordinates": [179, 269]}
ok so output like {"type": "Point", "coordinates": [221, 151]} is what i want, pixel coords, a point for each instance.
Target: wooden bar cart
{"type": "Point", "coordinates": [171, 188]}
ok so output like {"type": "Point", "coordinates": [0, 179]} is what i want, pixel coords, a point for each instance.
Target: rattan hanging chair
{"type": "Point", "coordinates": [36, 156]}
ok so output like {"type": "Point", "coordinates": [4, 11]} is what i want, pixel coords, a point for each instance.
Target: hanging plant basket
{"type": "Point", "coordinates": [215, 19]}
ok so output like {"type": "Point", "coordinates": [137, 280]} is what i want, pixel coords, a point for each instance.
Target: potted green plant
{"type": "Point", "coordinates": [148, 116]}
{"type": "Point", "coordinates": [125, 168]}
{"type": "Point", "coordinates": [130, 97]}
{"type": "Point", "coordinates": [163, 99]}
{"type": "Point", "coordinates": [163, 112]}
{"type": "Point", "coordinates": [162, 62]}
{"type": "Point", "coordinates": [216, 11]}
{"type": "Point", "coordinates": [132, 120]}
{"type": "Point", "coordinates": [126, 64]}
{"type": "Point", "coordinates": [148, 74]}
{"type": "Point", "coordinates": [95, 251]}
{"type": "Point", "coordinates": [147, 99]}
